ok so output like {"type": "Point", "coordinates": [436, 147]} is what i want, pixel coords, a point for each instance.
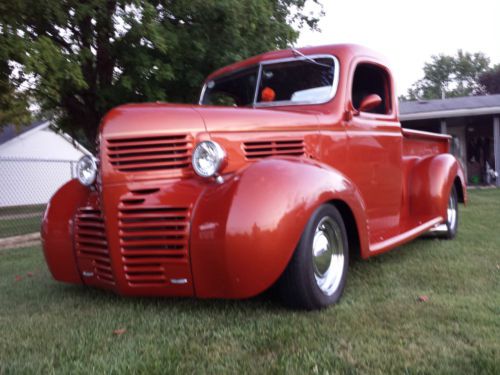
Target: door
{"type": "Point", "coordinates": [375, 150]}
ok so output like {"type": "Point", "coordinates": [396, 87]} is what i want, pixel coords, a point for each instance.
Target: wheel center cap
{"type": "Point", "coordinates": [322, 252]}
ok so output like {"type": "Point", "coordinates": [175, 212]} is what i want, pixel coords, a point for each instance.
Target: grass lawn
{"type": "Point", "coordinates": [33, 208]}
{"type": "Point", "coordinates": [18, 226]}
{"type": "Point", "coordinates": [18, 220]}
{"type": "Point", "coordinates": [379, 327]}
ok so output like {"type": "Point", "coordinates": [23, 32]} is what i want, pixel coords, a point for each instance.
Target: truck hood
{"type": "Point", "coordinates": [158, 118]}
{"type": "Point", "coordinates": [142, 120]}
{"type": "Point", "coordinates": [227, 119]}
{"type": "Point", "coordinates": [155, 141]}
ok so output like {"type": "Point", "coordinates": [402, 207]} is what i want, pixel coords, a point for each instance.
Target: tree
{"type": "Point", "coordinates": [490, 80]}
{"type": "Point", "coordinates": [13, 103]}
{"type": "Point", "coordinates": [450, 76]}
{"type": "Point", "coordinates": [79, 58]}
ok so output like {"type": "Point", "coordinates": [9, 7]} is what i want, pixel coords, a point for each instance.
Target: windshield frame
{"type": "Point", "coordinates": [261, 64]}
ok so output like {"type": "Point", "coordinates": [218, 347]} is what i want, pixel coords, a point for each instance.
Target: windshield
{"type": "Point", "coordinates": [300, 81]}
{"type": "Point", "coordinates": [237, 89]}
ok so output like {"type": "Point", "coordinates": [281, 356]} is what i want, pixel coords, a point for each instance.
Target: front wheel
{"type": "Point", "coordinates": [316, 274]}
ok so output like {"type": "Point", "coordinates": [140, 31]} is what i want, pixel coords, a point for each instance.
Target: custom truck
{"type": "Point", "coordinates": [292, 163]}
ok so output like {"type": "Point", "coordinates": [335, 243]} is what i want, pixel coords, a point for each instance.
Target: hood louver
{"type": "Point", "coordinates": [154, 153]}
{"type": "Point", "coordinates": [264, 149]}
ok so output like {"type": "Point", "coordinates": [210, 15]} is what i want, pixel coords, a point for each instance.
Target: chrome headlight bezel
{"type": "Point", "coordinates": [213, 155]}
{"type": "Point", "coordinates": [89, 164]}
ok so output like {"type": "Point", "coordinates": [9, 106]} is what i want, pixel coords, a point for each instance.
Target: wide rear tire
{"type": "Point", "coordinates": [316, 275]}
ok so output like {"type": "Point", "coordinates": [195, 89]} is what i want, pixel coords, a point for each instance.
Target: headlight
{"type": "Point", "coordinates": [86, 170]}
{"type": "Point", "coordinates": [207, 158]}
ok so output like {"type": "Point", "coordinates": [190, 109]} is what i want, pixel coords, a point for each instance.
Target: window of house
{"type": "Point", "coordinates": [371, 79]}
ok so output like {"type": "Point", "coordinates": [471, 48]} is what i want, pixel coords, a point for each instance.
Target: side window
{"type": "Point", "coordinates": [371, 79]}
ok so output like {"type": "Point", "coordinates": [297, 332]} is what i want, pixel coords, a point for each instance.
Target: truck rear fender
{"type": "Point", "coordinates": [461, 186]}
{"type": "Point", "coordinates": [430, 184]}
{"type": "Point", "coordinates": [245, 230]}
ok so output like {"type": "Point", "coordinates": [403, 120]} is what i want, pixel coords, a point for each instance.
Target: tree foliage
{"type": "Point", "coordinates": [450, 76]}
{"type": "Point", "coordinates": [13, 103]}
{"type": "Point", "coordinates": [79, 58]}
{"type": "Point", "coordinates": [490, 80]}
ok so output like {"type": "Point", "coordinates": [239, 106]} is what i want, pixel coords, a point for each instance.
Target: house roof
{"type": "Point", "coordinates": [452, 107]}
{"type": "Point", "coordinates": [9, 135]}
{"type": "Point", "coordinates": [9, 132]}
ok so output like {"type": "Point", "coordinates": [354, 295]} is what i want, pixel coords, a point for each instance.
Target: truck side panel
{"type": "Point", "coordinates": [417, 145]}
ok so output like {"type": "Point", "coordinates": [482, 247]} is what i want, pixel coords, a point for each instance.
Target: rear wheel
{"type": "Point", "coordinates": [452, 214]}
{"type": "Point", "coordinates": [316, 274]}
{"type": "Point", "coordinates": [448, 230]}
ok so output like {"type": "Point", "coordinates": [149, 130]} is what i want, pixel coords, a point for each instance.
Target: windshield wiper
{"type": "Point", "coordinates": [296, 52]}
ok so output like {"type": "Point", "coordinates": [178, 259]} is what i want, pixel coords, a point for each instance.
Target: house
{"type": "Point", "coordinates": [39, 141]}
{"type": "Point", "coordinates": [474, 124]}
{"type": "Point", "coordinates": [34, 162]}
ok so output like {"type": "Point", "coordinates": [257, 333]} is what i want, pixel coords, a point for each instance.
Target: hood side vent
{"type": "Point", "coordinates": [263, 149]}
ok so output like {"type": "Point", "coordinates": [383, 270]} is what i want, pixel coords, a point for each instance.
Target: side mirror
{"type": "Point", "coordinates": [369, 102]}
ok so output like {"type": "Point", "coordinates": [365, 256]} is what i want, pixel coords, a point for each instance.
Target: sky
{"type": "Point", "coordinates": [408, 33]}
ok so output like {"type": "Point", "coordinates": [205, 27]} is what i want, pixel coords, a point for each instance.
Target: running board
{"type": "Point", "coordinates": [404, 237]}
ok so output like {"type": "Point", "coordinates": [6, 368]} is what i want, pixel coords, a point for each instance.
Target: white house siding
{"type": "Point", "coordinates": [34, 165]}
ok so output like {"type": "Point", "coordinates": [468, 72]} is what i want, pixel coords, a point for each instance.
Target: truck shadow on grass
{"type": "Point", "coordinates": [381, 270]}
{"type": "Point", "coordinates": [267, 300]}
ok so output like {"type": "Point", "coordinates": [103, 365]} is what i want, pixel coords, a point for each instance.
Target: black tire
{"type": "Point", "coordinates": [450, 228]}
{"type": "Point", "coordinates": [303, 285]}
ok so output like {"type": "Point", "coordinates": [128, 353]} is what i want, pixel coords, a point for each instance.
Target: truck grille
{"type": "Point", "coordinates": [91, 242]}
{"type": "Point", "coordinates": [151, 237]}
{"type": "Point", "coordinates": [263, 149]}
{"type": "Point", "coordinates": [153, 153]}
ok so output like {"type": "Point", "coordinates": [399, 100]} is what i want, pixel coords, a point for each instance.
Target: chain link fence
{"type": "Point", "coordinates": [26, 186]}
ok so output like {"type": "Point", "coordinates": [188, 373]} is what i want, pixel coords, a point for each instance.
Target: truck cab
{"type": "Point", "coordinates": [291, 162]}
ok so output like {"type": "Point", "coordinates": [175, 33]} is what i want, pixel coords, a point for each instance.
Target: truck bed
{"type": "Point", "coordinates": [418, 143]}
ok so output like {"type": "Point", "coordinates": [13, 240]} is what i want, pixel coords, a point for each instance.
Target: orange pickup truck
{"type": "Point", "coordinates": [292, 162]}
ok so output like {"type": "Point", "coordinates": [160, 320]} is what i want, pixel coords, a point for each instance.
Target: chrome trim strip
{"type": "Point", "coordinates": [256, 94]}
{"type": "Point", "coordinates": [203, 89]}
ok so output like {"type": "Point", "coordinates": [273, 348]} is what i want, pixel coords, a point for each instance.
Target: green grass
{"type": "Point", "coordinates": [379, 327]}
{"type": "Point", "coordinates": [18, 226]}
{"type": "Point", "coordinates": [17, 220]}
{"type": "Point", "coordinates": [33, 208]}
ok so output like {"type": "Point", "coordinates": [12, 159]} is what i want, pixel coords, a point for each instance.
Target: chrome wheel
{"type": "Point", "coordinates": [448, 229]}
{"type": "Point", "coordinates": [328, 255]}
{"type": "Point", "coordinates": [452, 211]}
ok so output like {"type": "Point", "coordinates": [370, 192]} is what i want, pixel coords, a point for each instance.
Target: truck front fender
{"type": "Point", "coordinates": [431, 182]}
{"type": "Point", "coordinates": [57, 231]}
{"type": "Point", "coordinates": [245, 230]}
